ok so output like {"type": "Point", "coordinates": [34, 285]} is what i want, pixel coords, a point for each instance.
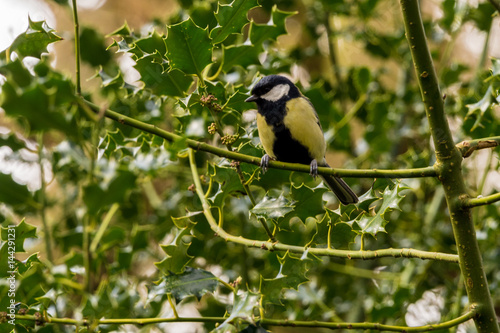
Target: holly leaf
{"type": "Point", "coordinates": [153, 43]}
{"type": "Point", "coordinates": [41, 102]}
{"type": "Point", "coordinates": [18, 234]}
{"type": "Point", "coordinates": [259, 33]}
{"type": "Point", "coordinates": [272, 208]}
{"type": "Point", "coordinates": [34, 41]}
{"type": "Point", "coordinates": [177, 251]}
{"type": "Point", "coordinates": [239, 55]}
{"type": "Point", "coordinates": [229, 183]}
{"type": "Point", "coordinates": [16, 195]}
{"type": "Point", "coordinates": [188, 47]}
{"type": "Point", "coordinates": [292, 273]}
{"type": "Point", "coordinates": [243, 307]}
{"type": "Point", "coordinates": [308, 202]}
{"type": "Point", "coordinates": [231, 19]}
{"type": "Point", "coordinates": [173, 83]}
{"type": "Point", "coordinates": [478, 109]}
{"type": "Point", "coordinates": [192, 282]}
{"type": "Point", "coordinates": [375, 223]}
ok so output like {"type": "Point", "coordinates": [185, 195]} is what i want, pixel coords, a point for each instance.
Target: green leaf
{"type": "Point", "coordinates": [361, 79]}
{"type": "Point", "coordinates": [177, 252]}
{"type": "Point", "coordinates": [152, 43]}
{"type": "Point", "coordinates": [241, 55]}
{"type": "Point", "coordinates": [229, 183]}
{"type": "Point", "coordinates": [18, 234]}
{"type": "Point", "coordinates": [16, 195]}
{"type": "Point", "coordinates": [308, 202]}
{"type": "Point", "coordinates": [93, 50]}
{"type": "Point", "coordinates": [98, 196]}
{"type": "Point", "coordinates": [478, 109]}
{"type": "Point", "coordinates": [27, 264]}
{"type": "Point", "coordinates": [231, 19]}
{"type": "Point", "coordinates": [482, 16]}
{"type": "Point", "coordinates": [33, 42]}
{"type": "Point", "coordinates": [192, 282]}
{"type": "Point", "coordinates": [292, 273]}
{"type": "Point", "coordinates": [188, 47]}
{"type": "Point", "coordinates": [173, 83]}
{"type": "Point", "coordinates": [259, 33]}
{"type": "Point", "coordinates": [45, 104]}
{"type": "Point", "coordinates": [375, 223]}
{"type": "Point", "coordinates": [272, 208]}
{"type": "Point", "coordinates": [243, 308]}
{"type": "Point", "coordinates": [7, 261]}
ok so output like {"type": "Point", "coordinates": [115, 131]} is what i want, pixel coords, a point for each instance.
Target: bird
{"type": "Point", "coordinates": [290, 131]}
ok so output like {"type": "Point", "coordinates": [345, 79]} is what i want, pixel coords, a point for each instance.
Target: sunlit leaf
{"type": "Point", "coordinates": [292, 273]}
{"type": "Point", "coordinates": [34, 41]}
{"type": "Point", "coordinates": [375, 223]}
{"type": "Point", "coordinates": [188, 47]}
{"type": "Point", "coordinates": [18, 234]}
{"type": "Point", "coordinates": [478, 109]}
{"type": "Point", "coordinates": [231, 19]}
{"type": "Point", "coordinates": [272, 208]}
{"type": "Point", "coordinates": [177, 253]}
{"type": "Point", "coordinates": [192, 282]}
{"type": "Point", "coordinates": [243, 307]}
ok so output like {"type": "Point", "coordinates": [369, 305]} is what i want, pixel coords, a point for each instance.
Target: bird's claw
{"type": "Point", "coordinates": [313, 171]}
{"type": "Point", "coordinates": [264, 163]}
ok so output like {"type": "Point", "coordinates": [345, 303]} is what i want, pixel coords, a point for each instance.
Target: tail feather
{"type": "Point", "coordinates": [338, 186]}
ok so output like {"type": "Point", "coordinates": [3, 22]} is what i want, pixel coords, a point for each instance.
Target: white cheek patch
{"type": "Point", "coordinates": [276, 93]}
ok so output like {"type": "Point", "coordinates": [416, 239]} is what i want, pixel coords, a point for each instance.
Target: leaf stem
{"type": "Point", "coordinates": [172, 305]}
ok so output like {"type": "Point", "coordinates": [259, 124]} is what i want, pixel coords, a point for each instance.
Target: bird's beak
{"type": "Point", "coordinates": [252, 98]}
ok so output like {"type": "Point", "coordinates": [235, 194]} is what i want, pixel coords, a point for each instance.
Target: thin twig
{"type": "Point", "coordinates": [77, 49]}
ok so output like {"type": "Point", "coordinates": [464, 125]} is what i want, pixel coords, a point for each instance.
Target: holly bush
{"type": "Point", "coordinates": [152, 209]}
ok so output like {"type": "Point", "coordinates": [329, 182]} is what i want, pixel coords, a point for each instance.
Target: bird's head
{"type": "Point", "coordinates": [272, 89]}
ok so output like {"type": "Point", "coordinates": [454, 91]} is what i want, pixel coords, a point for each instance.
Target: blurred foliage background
{"type": "Point", "coordinates": [125, 194]}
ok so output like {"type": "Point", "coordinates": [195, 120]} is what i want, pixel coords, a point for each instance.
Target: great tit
{"type": "Point", "coordinates": [290, 131]}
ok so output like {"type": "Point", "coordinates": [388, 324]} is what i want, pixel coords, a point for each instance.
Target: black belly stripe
{"type": "Point", "coordinates": [287, 149]}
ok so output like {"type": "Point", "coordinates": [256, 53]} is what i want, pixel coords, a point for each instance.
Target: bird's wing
{"type": "Point", "coordinates": [302, 122]}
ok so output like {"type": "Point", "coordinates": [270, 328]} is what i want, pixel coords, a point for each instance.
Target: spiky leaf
{"type": "Point", "coordinates": [192, 282]}
{"type": "Point", "coordinates": [188, 47]}
{"type": "Point", "coordinates": [231, 19]}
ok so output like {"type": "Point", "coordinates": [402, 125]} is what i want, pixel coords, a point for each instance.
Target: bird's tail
{"type": "Point", "coordinates": [338, 186]}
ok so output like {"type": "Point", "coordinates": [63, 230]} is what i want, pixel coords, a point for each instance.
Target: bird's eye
{"type": "Point", "coordinates": [266, 90]}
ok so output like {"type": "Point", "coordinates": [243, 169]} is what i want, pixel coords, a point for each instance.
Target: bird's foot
{"type": "Point", "coordinates": [314, 169]}
{"type": "Point", "coordinates": [264, 163]}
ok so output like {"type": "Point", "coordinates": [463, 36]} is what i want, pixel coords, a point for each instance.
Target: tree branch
{"type": "Point", "coordinates": [449, 168]}
{"type": "Point", "coordinates": [474, 202]}
{"type": "Point", "coordinates": [267, 322]}
{"type": "Point", "coordinates": [197, 145]}
{"type": "Point", "coordinates": [466, 148]}
{"type": "Point", "coordinates": [266, 245]}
